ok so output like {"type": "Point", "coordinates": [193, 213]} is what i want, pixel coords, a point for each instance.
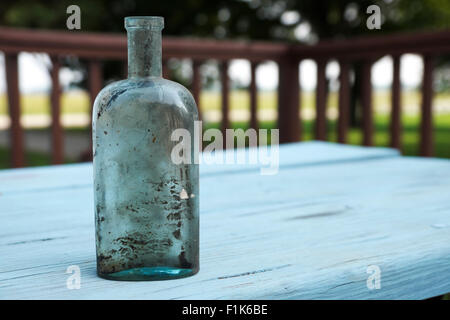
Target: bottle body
{"type": "Point", "coordinates": [146, 206]}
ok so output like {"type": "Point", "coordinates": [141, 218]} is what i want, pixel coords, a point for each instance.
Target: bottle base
{"type": "Point", "coordinates": [149, 274]}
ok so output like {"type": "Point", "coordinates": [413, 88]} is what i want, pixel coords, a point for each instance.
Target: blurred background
{"type": "Point", "coordinates": [252, 90]}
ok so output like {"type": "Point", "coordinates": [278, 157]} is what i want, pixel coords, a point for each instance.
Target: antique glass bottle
{"type": "Point", "coordinates": [146, 206]}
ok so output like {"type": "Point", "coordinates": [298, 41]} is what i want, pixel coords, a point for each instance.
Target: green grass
{"type": "Point", "coordinates": [74, 102]}
{"type": "Point", "coordinates": [33, 158]}
{"type": "Point", "coordinates": [410, 136]}
{"type": "Point", "coordinates": [240, 99]}
{"type": "Point", "coordinates": [78, 102]}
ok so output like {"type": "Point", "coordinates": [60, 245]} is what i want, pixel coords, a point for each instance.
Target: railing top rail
{"type": "Point", "coordinates": [113, 46]}
{"type": "Point", "coordinates": [436, 42]}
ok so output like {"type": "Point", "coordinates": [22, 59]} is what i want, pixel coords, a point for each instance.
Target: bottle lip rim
{"type": "Point", "coordinates": [147, 22]}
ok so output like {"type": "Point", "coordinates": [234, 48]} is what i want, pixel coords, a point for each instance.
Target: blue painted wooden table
{"type": "Point", "coordinates": [333, 220]}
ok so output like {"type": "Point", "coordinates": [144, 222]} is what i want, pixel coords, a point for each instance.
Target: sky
{"type": "Point", "coordinates": [34, 77]}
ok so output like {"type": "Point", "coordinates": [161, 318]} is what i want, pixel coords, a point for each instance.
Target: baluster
{"type": "Point", "coordinates": [366, 99]}
{"type": "Point", "coordinates": [95, 85]}
{"type": "Point", "coordinates": [166, 69]}
{"type": "Point", "coordinates": [396, 104]}
{"type": "Point", "coordinates": [321, 101]}
{"type": "Point", "coordinates": [95, 79]}
{"type": "Point", "coordinates": [197, 85]}
{"type": "Point", "coordinates": [125, 69]}
{"type": "Point", "coordinates": [225, 95]}
{"type": "Point", "coordinates": [253, 97]}
{"type": "Point", "coordinates": [289, 121]}
{"type": "Point", "coordinates": [56, 128]}
{"type": "Point", "coordinates": [426, 128]}
{"type": "Point", "coordinates": [344, 101]}
{"type": "Point", "coordinates": [16, 132]}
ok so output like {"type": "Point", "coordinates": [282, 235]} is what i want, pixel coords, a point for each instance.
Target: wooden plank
{"type": "Point", "coordinates": [396, 117]}
{"type": "Point", "coordinates": [300, 154]}
{"type": "Point", "coordinates": [301, 234]}
{"type": "Point", "coordinates": [16, 132]}
{"type": "Point", "coordinates": [57, 130]}
{"type": "Point", "coordinates": [321, 102]}
{"type": "Point", "coordinates": [426, 125]}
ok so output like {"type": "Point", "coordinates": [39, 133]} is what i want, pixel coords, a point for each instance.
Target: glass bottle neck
{"type": "Point", "coordinates": [144, 52]}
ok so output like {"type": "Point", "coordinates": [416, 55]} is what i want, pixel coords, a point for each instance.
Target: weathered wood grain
{"type": "Point", "coordinates": [309, 232]}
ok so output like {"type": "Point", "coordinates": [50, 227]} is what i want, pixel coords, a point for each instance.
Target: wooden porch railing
{"type": "Point", "coordinates": [99, 47]}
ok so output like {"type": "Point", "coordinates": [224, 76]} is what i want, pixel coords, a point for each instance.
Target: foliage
{"type": "Point", "coordinates": [251, 19]}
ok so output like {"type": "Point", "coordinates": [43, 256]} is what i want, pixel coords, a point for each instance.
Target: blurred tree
{"type": "Point", "coordinates": [253, 19]}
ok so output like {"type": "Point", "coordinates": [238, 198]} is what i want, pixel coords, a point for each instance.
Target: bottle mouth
{"type": "Point", "coordinates": [145, 22]}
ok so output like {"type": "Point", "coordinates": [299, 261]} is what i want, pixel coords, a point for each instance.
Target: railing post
{"type": "Point", "coordinates": [426, 128]}
{"type": "Point", "coordinates": [95, 85]}
{"type": "Point", "coordinates": [57, 132]}
{"type": "Point", "coordinates": [321, 102]}
{"type": "Point", "coordinates": [344, 101]}
{"type": "Point", "coordinates": [366, 99]}
{"type": "Point", "coordinates": [396, 127]}
{"type": "Point", "coordinates": [289, 122]}
{"type": "Point", "coordinates": [125, 69]}
{"type": "Point", "coordinates": [225, 95]}
{"type": "Point", "coordinates": [197, 85]}
{"type": "Point", "coordinates": [166, 69]}
{"type": "Point", "coordinates": [253, 96]}
{"type": "Point", "coordinates": [95, 78]}
{"type": "Point", "coordinates": [16, 132]}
